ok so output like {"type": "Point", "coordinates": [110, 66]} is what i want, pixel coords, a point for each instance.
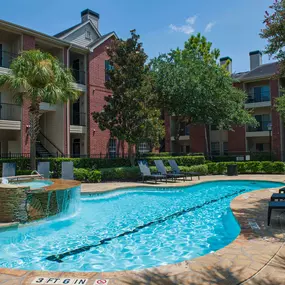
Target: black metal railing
{"type": "Point", "coordinates": [46, 141]}
{"type": "Point", "coordinates": [78, 119]}
{"type": "Point", "coordinates": [261, 97]}
{"type": "Point", "coordinates": [263, 127]}
{"type": "Point", "coordinates": [10, 112]}
{"type": "Point", "coordinates": [6, 58]}
{"type": "Point", "coordinates": [79, 76]}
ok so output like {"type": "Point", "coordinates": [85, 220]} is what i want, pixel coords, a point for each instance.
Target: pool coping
{"type": "Point", "coordinates": [242, 259]}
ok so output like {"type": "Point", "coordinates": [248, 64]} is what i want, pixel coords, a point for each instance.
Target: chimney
{"type": "Point", "coordinates": [90, 15]}
{"type": "Point", "coordinates": [255, 59]}
{"type": "Point", "coordinates": [226, 59]}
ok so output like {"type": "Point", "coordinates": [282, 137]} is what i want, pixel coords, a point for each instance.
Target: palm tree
{"type": "Point", "coordinates": [38, 77]}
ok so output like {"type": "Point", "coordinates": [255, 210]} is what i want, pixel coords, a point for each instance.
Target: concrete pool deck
{"type": "Point", "coordinates": [257, 256]}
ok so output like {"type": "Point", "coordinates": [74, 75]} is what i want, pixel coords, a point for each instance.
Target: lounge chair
{"type": "Point", "coordinates": [8, 169]}
{"type": "Point", "coordinates": [176, 169]}
{"type": "Point", "coordinates": [67, 170]}
{"type": "Point", "coordinates": [274, 206]}
{"type": "Point", "coordinates": [161, 168]}
{"type": "Point", "coordinates": [43, 169]}
{"type": "Point", "coordinates": [145, 172]}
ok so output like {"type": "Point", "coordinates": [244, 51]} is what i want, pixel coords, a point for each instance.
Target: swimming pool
{"type": "Point", "coordinates": [35, 184]}
{"type": "Point", "coordinates": [131, 229]}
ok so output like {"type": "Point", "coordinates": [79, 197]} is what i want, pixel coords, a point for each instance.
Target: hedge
{"type": "Point", "coordinates": [269, 167]}
{"type": "Point", "coordinates": [84, 175]}
{"type": "Point", "coordinates": [23, 164]}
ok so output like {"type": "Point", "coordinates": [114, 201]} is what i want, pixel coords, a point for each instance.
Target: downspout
{"type": "Point", "coordinates": [68, 109]}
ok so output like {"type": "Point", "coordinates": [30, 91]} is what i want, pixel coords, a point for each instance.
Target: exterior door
{"type": "Point", "coordinates": [76, 113]}
{"type": "Point", "coordinates": [76, 148]}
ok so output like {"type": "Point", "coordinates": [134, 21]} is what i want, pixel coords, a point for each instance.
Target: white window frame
{"type": "Point", "coordinates": [143, 147]}
{"type": "Point", "coordinates": [87, 35]}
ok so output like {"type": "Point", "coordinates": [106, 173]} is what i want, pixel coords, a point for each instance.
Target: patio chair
{"type": "Point", "coordinates": [161, 168]}
{"type": "Point", "coordinates": [43, 169]}
{"type": "Point", "coordinates": [176, 169]}
{"type": "Point", "coordinates": [145, 172]}
{"type": "Point", "coordinates": [272, 205]}
{"type": "Point", "coordinates": [67, 170]}
{"type": "Point", "coordinates": [8, 169]}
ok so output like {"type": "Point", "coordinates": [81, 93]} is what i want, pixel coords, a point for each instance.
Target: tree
{"type": "Point", "coordinates": [274, 32]}
{"type": "Point", "coordinates": [38, 77]}
{"type": "Point", "coordinates": [196, 89]}
{"type": "Point", "coordinates": [131, 113]}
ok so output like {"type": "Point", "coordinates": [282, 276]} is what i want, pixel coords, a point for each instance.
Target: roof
{"type": "Point", "coordinates": [262, 71]}
{"type": "Point", "coordinates": [239, 75]}
{"type": "Point", "coordinates": [102, 39]}
{"type": "Point", "coordinates": [59, 35]}
{"type": "Point", "coordinates": [88, 11]}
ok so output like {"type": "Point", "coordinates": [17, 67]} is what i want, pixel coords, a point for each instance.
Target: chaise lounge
{"type": "Point", "coordinates": [146, 173]}
{"type": "Point", "coordinates": [161, 168]}
{"type": "Point", "coordinates": [277, 203]}
{"type": "Point", "coordinates": [176, 169]}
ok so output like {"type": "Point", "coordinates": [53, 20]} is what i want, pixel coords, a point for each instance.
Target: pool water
{"type": "Point", "coordinates": [36, 184]}
{"type": "Point", "coordinates": [131, 229]}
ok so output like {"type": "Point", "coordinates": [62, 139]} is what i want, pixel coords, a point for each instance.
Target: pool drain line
{"type": "Point", "coordinates": [58, 257]}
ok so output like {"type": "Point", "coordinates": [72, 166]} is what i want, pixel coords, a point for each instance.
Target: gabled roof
{"type": "Point", "coordinates": [101, 40]}
{"type": "Point", "coordinates": [59, 35]}
{"type": "Point", "coordinates": [69, 31]}
{"type": "Point", "coordinates": [263, 71]}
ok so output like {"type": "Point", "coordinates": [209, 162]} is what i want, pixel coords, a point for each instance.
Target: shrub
{"type": "Point", "coordinates": [203, 169]}
{"type": "Point", "coordinates": [181, 160]}
{"type": "Point", "coordinates": [120, 174]}
{"type": "Point", "coordinates": [253, 166]}
{"type": "Point", "coordinates": [278, 167]}
{"type": "Point", "coordinates": [81, 174]}
{"type": "Point", "coordinates": [24, 172]}
{"type": "Point", "coordinates": [94, 176]}
{"type": "Point", "coordinates": [242, 167]}
{"type": "Point", "coordinates": [266, 166]}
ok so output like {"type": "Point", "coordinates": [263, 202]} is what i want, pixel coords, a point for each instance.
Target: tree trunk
{"type": "Point", "coordinates": [206, 140]}
{"type": "Point", "coordinates": [131, 155]}
{"type": "Point", "coordinates": [34, 131]}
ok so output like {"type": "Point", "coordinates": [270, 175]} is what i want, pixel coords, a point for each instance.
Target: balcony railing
{"type": "Point", "coordinates": [6, 58]}
{"type": "Point", "coordinates": [79, 76]}
{"type": "Point", "coordinates": [256, 98]}
{"type": "Point", "coordinates": [78, 119]}
{"type": "Point", "coordinates": [263, 127]}
{"type": "Point", "coordinates": [11, 112]}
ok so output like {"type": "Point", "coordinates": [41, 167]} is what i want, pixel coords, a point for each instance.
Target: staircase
{"type": "Point", "coordinates": [41, 151]}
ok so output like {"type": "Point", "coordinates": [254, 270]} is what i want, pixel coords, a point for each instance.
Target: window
{"type": "Point", "coordinates": [214, 128]}
{"type": "Point", "coordinates": [108, 67]}
{"type": "Point", "coordinates": [225, 147]}
{"type": "Point", "coordinates": [263, 121]}
{"type": "Point", "coordinates": [88, 35]}
{"type": "Point", "coordinates": [112, 148]}
{"type": "Point", "coordinates": [184, 129]}
{"type": "Point", "coordinates": [259, 147]}
{"type": "Point", "coordinates": [187, 148]}
{"type": "Point", "coordinates": [215, 148]}
{"type": "Point", "coordinates": [259, 94]}
{"type": "Point", "coordinates": [144, 147]}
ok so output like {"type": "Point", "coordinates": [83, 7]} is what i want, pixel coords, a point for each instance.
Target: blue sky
{"type": "Point", "coordinates": [233, 26]}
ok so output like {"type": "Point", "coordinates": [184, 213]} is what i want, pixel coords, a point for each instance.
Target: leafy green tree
{"type": "Point", "coordinates": [131, 113]}
{"type": "Point", "coordinates": [38, 77]}
{"type": "Point", "coordinates": [194, 87]}
{"type": "Point", "coordinates": [274, 32]}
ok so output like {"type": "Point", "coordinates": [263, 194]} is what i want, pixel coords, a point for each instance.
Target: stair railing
{"type": "Point", "coordinates": [51, 144]}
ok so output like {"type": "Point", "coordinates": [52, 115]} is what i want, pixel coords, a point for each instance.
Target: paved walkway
{"type": "Point", "coordinates": [256, 257]}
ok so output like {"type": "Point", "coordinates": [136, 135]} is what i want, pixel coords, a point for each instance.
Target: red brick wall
{"type": "Point", "coordinates": [97, 140]}
{"type": "Point", "coordinates": [236, 140]}
{"type": "Point", "coordinates": [197, 138]}
{"type": "Point", "coordinates": [276, 137]}
{"type": "Point", "coordinates": [28, 43]}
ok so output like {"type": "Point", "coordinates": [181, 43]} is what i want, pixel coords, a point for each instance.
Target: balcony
{"type": "Point", "coordinates": [258, 100]}
{"type": "Point", "coordinates": [78, 123]}
{"type": "Point", "coordinates": [260, 131]}
{"type": "Point", "coordinates": [6, 59]}
{"type": "Point", "coordinates": [10, 116]}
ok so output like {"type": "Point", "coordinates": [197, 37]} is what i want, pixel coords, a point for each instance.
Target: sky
{"type": "Point", "coordinates": [232, 26]}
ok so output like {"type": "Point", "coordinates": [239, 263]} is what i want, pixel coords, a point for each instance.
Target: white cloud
{"type": "Point", "coordinates": [187, 28]}
{"type": "Point", "coordinates": [209, 27]}
{"type": "Point", "coordinates": [191, 20]}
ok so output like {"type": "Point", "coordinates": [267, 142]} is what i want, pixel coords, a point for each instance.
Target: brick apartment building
{"type": "Point", "coordinates": [262, 89]}
{"type": "Point", "coordinates": [66, 129]}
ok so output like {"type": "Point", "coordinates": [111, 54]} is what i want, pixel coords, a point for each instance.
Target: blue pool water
{"type": "Point", "coordinates": [36, 184]}
{"type": "Point", "coordinates": [131, 229]}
